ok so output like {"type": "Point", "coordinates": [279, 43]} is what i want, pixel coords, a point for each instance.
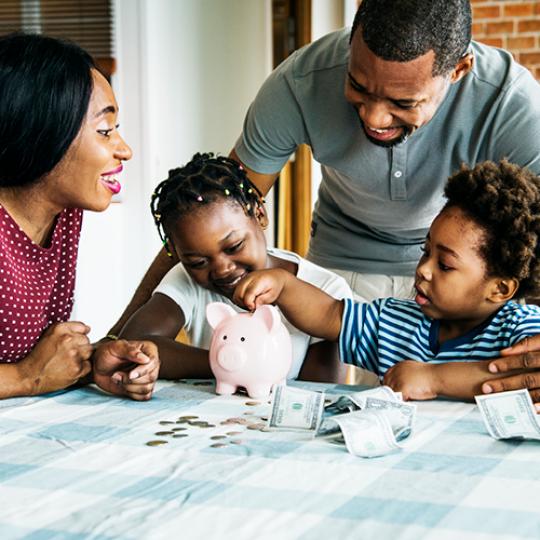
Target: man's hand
{"type": "Point", "coordinates": [522, 363]}
{"type": "Point", "coordinates": [416, 380]}
{"type": "Point", "coordinates": [127, 368]}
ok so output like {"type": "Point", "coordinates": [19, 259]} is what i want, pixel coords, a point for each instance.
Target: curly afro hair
{"type": "Point", "coordinates": [503, 199]}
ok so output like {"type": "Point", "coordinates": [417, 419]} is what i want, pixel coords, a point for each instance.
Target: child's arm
{"type": "Point", "coordinates": [420, 380]}
{"type": "Point", "coordinates": [160, 320]}
{"type": "Point", "coordinates": [308, 308]}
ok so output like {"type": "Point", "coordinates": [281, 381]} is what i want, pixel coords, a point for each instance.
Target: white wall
{"type": "Point", "coordinates": [187, 71]}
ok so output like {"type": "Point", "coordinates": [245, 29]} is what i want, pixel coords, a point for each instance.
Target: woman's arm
{"type": "Point", "coordinates": [60, 358]}
{"type": "Point", "coordinates": [160, 321]}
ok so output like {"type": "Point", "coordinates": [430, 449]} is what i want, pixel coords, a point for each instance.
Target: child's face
{"type": "Point", "coordinates": [219, 244]}
{"type": "Point", "coordinates": [451, 280]}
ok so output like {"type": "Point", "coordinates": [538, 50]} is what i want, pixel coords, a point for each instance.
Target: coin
{"type": "Point", "coordinates": [264, 418]}
{"type": "Point", "coordinates": [188, 417]}
{"type": "Point", "coordinates": [252, 403]}
{"type": "Point", "coordinates": [233, 433]}
{"type": "Point", "coordinates": [162, 433]}
{"type": "Point", "coordinates": [256, 427]}
{"type": "Point", "coordinates": [155, 443]}
{"type": "Point", "coordinates": [182, 421]}
{"type": "Point", "coordinates": [179, 435]}
{"type": "Point", "coordinates": [198, 423]}
{"type": "Point", "coordinates": [166, 422]}
{"type": "Point", "coordinates": [218, 437]}
{"type": "Point", "coordinates": [218, 445]}
{"type": "Point", "coordinates": [179, 429]}
{"type": "Point", "coordinates": [237, 441]}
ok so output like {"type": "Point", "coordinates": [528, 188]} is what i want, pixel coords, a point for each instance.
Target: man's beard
{"type": "Point", "coordinates": [387, 144]}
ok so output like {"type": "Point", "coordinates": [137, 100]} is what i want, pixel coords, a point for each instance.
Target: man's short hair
{"type": "Point", "coordinates": [402, 30]}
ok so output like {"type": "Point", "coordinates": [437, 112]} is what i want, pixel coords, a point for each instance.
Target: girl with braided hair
{"type": "Point", "coordinates": [481, 253]}
{"type": "Point", "coordinates": [212, 218]}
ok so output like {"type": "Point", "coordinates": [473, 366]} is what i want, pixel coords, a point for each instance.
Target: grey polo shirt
{"type": "Point", "coordinates": [375, 204]}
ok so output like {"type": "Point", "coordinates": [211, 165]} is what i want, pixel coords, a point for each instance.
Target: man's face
{"type": "Point", "coordinates": [393, 99]}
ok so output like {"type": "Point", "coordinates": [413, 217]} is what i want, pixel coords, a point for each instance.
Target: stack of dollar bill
{"type": "Point", "coordinates": [509, 415]}
{"type": "Point", "coordinates": [371, 423]}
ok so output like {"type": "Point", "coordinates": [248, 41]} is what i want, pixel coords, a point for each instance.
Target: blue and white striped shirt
{"type": "Point", "coordinates": [377, 335]}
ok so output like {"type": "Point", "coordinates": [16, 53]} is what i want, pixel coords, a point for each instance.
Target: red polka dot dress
{"type": "Point", "coordinates": [36, 283]}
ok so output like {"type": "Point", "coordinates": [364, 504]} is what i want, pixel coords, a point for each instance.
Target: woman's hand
{"type": "Point", "coordinates": [127, 368]}
{"type": "Point", "coordinates": [415, 380]}
{"type": "Point", "coordinates": [60, 358]}
{"type": "Point", "coordinates": [259, 288]}
{"type": "Point", "coordinates": [522, 363]}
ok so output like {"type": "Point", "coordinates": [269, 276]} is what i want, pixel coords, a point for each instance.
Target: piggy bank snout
{"type": "Point", "coordinates": [231, 357]}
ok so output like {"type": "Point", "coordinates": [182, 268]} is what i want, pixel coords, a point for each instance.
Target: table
{"type": "Point", "coordinates": [75, 464]}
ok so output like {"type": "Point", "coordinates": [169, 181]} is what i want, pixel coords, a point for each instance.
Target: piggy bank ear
{"type": "Point", "coordinates": [217, 312]}
{"type": "Point", "coordinates": [269, 316]}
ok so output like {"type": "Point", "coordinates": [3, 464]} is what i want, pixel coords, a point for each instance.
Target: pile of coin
{"type": "Point", "coordinates": [179, 428]}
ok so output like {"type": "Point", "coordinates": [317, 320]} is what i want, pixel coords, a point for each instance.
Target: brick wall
{"type": "Point", "coordinates": [513, 25]}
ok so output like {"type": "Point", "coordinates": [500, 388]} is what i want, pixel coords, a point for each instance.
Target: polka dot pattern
{"type": "Point", "coordinates": [36, 283]}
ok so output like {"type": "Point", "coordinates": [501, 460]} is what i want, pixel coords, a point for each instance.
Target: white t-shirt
{"type": "Point", "coordinates": [193, 299]}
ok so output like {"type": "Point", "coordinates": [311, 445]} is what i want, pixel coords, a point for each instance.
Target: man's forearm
{"type": "Point", "coordinates": [159, 267]}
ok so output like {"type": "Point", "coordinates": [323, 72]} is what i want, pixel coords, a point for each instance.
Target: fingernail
{"type": "Point", "coordinates": [487, 389]}
{"type": "Point", "coordinates": [493, 368]}
{"type": "Point", "coordinates": [134, 375]}
{"type": "Point", "coordinates": [143, 356]}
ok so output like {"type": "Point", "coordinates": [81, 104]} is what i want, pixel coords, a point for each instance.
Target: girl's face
{"type": "Point", "coordinates": [451, 280]}
{"type": "Point", "coordinates": [218, 244]}
{"type": "Point", "coordinates": [86, 177]}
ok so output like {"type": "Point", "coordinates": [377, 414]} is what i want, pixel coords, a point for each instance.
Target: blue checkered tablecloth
{"type": "Point", "coordinates": [75, 465]}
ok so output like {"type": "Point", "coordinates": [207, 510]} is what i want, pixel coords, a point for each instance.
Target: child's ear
{"type": "Point", "coordinates": [260, 215]}
{"type": "Point", "coordinates": [503, 290]}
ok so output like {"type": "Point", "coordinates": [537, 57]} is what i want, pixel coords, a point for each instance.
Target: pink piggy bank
{"type": "Point", "coordinates": [252, 350]}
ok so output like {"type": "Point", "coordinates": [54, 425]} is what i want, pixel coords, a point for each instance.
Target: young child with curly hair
{"type": "Point", "coordinates": [213, 218]}
{"type": "Point", "coordinates": [481, 253]}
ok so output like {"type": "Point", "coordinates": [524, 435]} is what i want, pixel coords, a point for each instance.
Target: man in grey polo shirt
{"type": "Point", "coordinates": [389, 117]}
{"type": "Point", "coordinates": [390, 110]}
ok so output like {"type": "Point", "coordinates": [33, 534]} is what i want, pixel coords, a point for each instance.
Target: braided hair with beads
{"type": "Point", "coordinates": [203, 180]}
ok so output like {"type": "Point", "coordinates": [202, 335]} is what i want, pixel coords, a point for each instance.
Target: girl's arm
{"type": "Point", "coordinates": [160, 320]}
{"type": "Point", "coordinates": [322, 364]}
{"type": "Point", "coordinates": [308, 308]}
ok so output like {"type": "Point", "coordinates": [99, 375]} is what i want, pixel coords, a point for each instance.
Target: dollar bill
{"type": "Point", "coordinates": [400, 414]}
{"type": "Point", "coordinates": [367, 433]}
{"type": "Point", "coordinates": [296, 409]}
{"type": "Point", "coordinates": [383, 392]}
{"type": "Point", "coordinates": [509, 415]}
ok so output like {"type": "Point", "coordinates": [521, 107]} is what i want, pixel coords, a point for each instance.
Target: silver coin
{"type": "Point", "coordinates": [179, 429]}
{"type": "Point", "coordinates": [180, 435]}
{"type": "Point", "coordinates": [166, 422]}
{"type": "Point", "coordinates": [162, 433]}
{"type": "Point", "coordinates": [218, 437]}
{"type": "Point", "coordinates": [233, 433]}
{"type": "Point", "coordinates": [218, 445]}
{"type": "Point", "coordinates": [236, 441]}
